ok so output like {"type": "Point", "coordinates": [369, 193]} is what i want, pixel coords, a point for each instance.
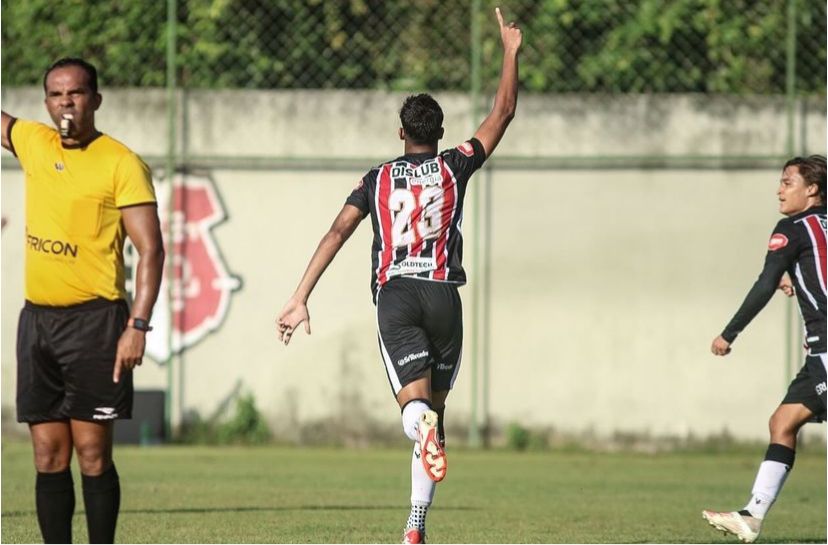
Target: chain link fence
{"type": "Point", "coordinates": [571, 46]}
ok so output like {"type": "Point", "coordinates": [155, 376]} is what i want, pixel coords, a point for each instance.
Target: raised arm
{"type": "Point", "coordinates": [295, 310]}
{"type": "Point", "coordinates": [6, 124]}
{"type": "Point", "coordinates": [491, 130]}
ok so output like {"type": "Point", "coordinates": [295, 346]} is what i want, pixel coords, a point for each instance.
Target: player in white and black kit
{"type": "Point", "coordinates": [796, 247]}
{"type": "Point", "coordinates": [416, 208]}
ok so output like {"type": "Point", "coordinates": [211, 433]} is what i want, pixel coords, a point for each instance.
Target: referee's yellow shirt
{"type": "Point", "coordinates": [74, 232]}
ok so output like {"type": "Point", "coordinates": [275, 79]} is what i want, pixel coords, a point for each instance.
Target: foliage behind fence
{"type": "Point", "coordinates": [586, 46]}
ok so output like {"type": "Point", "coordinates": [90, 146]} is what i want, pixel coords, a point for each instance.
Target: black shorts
{"type": "Point", "coordinates": [808, 387]}
{"type": "Point", "coordinates": [65, 360]}
{"type": "Point", "coordinates": [420, 328]}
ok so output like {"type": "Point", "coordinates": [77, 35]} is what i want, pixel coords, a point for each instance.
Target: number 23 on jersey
{"type": "Point", "coordinates": [416, 217]}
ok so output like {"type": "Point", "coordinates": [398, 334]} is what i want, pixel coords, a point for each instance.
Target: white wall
{"type": "Point", "coordinates": [607, 285]}
{"type": "Point", "coordinates": [607, 288]}
{"type": "Point", "coordinates": [348, 124]}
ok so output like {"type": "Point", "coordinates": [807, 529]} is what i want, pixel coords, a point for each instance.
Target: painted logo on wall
{"type": "Point", "coordinates": [202, 285]}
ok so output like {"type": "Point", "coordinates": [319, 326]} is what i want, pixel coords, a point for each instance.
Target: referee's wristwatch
{"type": "Point", "coordinates": [140, 324]}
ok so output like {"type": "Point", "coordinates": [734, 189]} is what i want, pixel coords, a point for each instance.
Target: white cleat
{"type": "Point", "coordinates": [745, 527]}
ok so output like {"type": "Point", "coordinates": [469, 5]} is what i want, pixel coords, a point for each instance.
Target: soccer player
{"type": "Point", "coordinates": [416, 206]}
{"type": "Point", "coordinates": [77, 341]}
{"type": "Point", "coordinates": [796, 246]}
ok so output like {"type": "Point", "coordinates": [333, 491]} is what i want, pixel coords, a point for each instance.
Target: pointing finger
{"type": "Point", "coordinates": [499, 17]}
{"type": "Point", "coordinates": [307, 327]}
{"type": "Point", "coordinates": [116, 375]}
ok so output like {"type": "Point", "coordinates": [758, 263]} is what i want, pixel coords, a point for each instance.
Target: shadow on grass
{"type": "Point", "coordinates": [798, 539]}
{"type": "Point", "coordinates": [198, 510]}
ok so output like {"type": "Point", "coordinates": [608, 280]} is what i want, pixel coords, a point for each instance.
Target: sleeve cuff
{"type": "Point", "coordinates": [478, 147]}
{"type": "Point", "coordinates": [8, 136]}
{"type": "Point", "coordinates": [142, 203]}
{"type": "Point", "coordinates": [358, 205]}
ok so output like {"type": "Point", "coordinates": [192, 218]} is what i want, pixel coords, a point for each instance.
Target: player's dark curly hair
{"type": "Point", "coordinates": [91, 72]}
{"type": "Point", "coordinates": [422, 119]}
{"type": "Point", "coordinates": [812, 170]}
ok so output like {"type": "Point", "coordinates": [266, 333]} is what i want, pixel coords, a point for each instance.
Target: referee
{"type": "Point", "coordinates": [78, 340]}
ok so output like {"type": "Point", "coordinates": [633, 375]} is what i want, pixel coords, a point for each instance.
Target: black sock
{"type": "Point", "coordinates": [102, 498]}
{"type": "Point", "coordinates": [55, 500]}
{"type": "Point", "coordinates": [782, 454]}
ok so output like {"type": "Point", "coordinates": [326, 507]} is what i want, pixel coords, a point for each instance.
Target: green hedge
{"type": "Point", "coordinates": [726, 46]}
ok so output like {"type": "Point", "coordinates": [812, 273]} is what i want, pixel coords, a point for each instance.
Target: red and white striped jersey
{"type": "Point", "coordinates": [416, 208]}
{"type": "Point", "coordinates": [796, 246]}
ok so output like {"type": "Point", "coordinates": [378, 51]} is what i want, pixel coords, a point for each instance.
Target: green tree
{"type": "Point", "coordinates": [602, 46]}
{"type": "Point", "coordinates": [124, 40]}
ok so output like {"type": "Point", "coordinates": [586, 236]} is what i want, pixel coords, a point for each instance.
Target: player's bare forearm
{"type": "Point", "coordinates": [6, 120]}
{"type": "Point", "coordinates": [343, 227]}
{"type": "Point", "coordinates": [505, 103]}
{"type": "Point", "coordinates": [295, 311]}
{"type": "Point", "coordinates": [328, 247]}
{"type": "Point", "coordinates": [493, 128]}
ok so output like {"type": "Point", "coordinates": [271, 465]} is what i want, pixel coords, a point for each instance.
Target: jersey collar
{"type": "Point", "coordinates": [818, 209]}
{"type": "Point", "coordinates": [416, 156]}
{"type": "Point", "coordinates": [84, 144]}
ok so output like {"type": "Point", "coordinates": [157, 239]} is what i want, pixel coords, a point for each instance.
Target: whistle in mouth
{"type": "Point", "coordinates": [65, 123]}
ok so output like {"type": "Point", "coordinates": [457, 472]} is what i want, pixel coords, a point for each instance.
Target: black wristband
{"type": "Point", "coordinates": [141, 325]}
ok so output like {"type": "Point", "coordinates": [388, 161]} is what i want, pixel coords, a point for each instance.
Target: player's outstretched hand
{"type": "Point", "coordinates": [294, 313]}
{"type": "Point", "coordinates": [720, 347]}
{"type": "Point", "coordinates": [509, 33]}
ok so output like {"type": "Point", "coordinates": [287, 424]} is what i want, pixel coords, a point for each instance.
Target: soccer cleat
{"type": "Point", "coordinates": [431, 452]}
{"type": "Point", "coordinates": [413, 535]}
{"type": "Point", "coordinates": [743, 526]}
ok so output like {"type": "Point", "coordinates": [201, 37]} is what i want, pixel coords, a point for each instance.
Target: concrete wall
{"type": "Point", "coordinates": [358, 124]}
{"type": "Point", "coordinates": [607, 285]}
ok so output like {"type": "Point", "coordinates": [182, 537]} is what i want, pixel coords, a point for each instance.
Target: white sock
{"type": "Point", "coordinates": [769, 481]}
{"type": "Point", "coordinates": [422, 491]}
{"type": "Point", "coordinates": [411, 417]}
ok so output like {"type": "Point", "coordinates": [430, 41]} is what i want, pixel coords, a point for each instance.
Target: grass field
{"type": "Point", "coordinates": [182, 494]}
